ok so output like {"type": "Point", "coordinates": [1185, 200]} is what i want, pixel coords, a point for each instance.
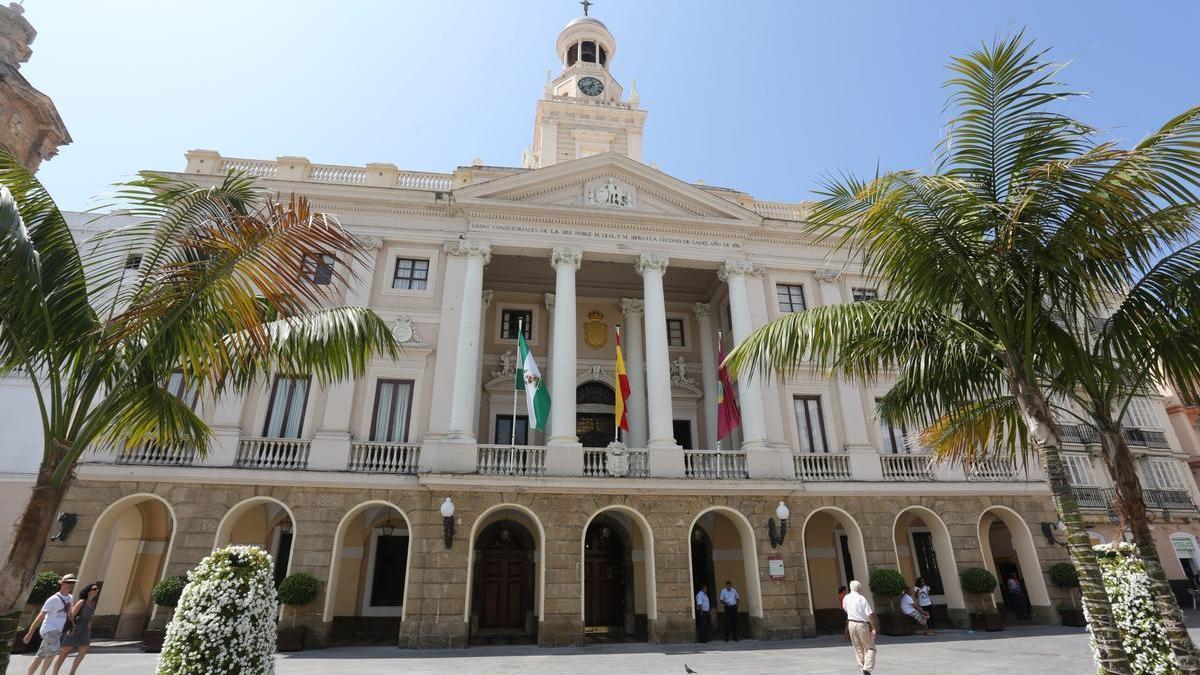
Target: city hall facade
{"type": "Point", "coordinates": [434, 517]}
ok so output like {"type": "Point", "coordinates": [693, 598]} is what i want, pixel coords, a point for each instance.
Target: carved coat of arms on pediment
{"type": "Point", "coordinates": [609, 192]}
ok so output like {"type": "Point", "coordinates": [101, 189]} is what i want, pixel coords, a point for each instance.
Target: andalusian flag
{"type": "Point", "coordinates": [728, 414]}
{"type": "Point", "coordinates": [623, 387]}
{"type": "Point", "coordinates": [529, 378]}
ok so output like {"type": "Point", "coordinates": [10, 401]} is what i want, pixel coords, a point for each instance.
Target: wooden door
{"type": "Point", "coordinates": [604, 577]}
{"type": "Point", "coordinates": [503, 581]}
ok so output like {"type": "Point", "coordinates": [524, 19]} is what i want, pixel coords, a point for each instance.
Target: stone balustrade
{"type": "Point", "coordinates": [372, 457]}
{"type": "Point", "coordinates": [272, 453]}
{"type": "Point", "coordinates": [714, 464]}
{"type": "Point", "coordinates": [907, 467]}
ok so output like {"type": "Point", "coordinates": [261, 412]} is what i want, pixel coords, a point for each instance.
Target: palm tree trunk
{"type": "Point", "coordinates": [1133, 508]}
{"type": "Point", "coordinates": [19, 569]}
{"type": "Point", "coordinates": [1045, 433]}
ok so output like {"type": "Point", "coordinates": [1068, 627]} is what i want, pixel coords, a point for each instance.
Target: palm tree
{"type": "Point", "coordinates": [1024, 218]}
{"type": "Point", "coordinates": [220, 295]}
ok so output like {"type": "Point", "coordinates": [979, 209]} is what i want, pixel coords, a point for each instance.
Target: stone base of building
{"type": "Point", "coordinates": [651, 548]}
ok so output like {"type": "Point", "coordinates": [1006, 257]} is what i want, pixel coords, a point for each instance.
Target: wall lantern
{"type": "Point", "coordinates": [448, 523]}
{"type": "Point", "coordinates": [777, 536]}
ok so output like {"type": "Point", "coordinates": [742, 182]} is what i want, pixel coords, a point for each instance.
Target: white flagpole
{"type": "Point", "coordinates": [617, 382]}
{"type": "Point", "coordinates": [512, 439]}
{"type": "Point", "coordinates": [719, 385]}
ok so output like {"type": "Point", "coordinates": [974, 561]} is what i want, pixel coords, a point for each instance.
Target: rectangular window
{"type": "Point", "coordinates": [285, 413]}
{"type": "Point", "coordinates": [791, 297]}
{"type": "Point", "coordinates": [133, 261]}
{"type": "Point", "coordinates": [864, 294]}
{"type": "Point", "coordinates": [1079, 469]}
{"type": "Point", "coordinates": [411, 274]}
{"type": "Point", "coordinates": [318, 268]}
{"type": "Point", "coordinates": [895, 438]}
{"type": "Point", "coordinates": [175, 386]}
{"type": "Point", "coordinates": [1140, 414]}
{"type": "Point", "coordinates": [393, 403]}
{"type": "Point", "coordinates": [675, 332]}
{"type": "Point", "coordinates": [511, 319]}
{"type": "Point", "coordinates": [504, 426]}
{"type": "Point", "coordinates": [810, 423]}
{"type": "Point", "coordinates": [1164, 474]}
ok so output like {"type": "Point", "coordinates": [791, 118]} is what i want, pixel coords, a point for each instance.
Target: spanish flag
{"type": "Point", "coordinates": [622, 387]}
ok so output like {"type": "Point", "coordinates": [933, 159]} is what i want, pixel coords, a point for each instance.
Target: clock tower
{"type": "Point", "coordinates": [582, 112]}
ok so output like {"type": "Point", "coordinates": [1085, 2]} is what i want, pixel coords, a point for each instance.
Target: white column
{"type": "Point", "coordinates": [227, 427]}
{"type": "Point", "coordinates": [486, 302]}
{"type": "Point", "coordinates": [854, 417]}
{"type": "Point", "coordinates": [466, 363]}
{"type": "Point", "coordinates": [565, 260]}
{"type": "Point", "coordinates": [750, 397]}
{"type": "Point", "coordinates": [708, 366]}
{"type": "Point", "coordinates": [548, 370]}
{"type": "Point", "coordinates": [631, 343]}
{"type": "Point", "coordinates": [658, 362]}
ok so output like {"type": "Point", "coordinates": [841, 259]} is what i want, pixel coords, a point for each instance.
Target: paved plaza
{"type": "Point", "coordinates": [1027, 650]}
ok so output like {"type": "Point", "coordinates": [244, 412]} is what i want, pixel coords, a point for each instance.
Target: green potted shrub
{"type": "Point", "coordinates": [44, 586]}
{"type": "Point", "coordinates": [165, 594]}
{"type": "Point", "coordinates": [889, 584]}
{"type": "Point", "coordinates": [297, 589]}
{"type": "Point", "coordinates": [1064, 575]}
{"type": "Point", "coordinates": [981, 583]}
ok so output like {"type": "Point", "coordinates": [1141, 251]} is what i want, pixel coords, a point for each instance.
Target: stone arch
{"type": "Point", "coordinates": [943, 547]}
{"type": "Point", "coordinates": [749, 546]}
{"type": "Point", "coordinates": [335, 562]}
{"type": "Point", "coordinates": [1023, 545]}
{"type": "Point", "coordinates": [857, 561]}
{"type": "Point", "coordinates": [128, 548]}
{"type": "Point", "coordinates": [648, 576]}
{"type": "Point", "coordinates": [226, 527]}
{"type": "Point", "coordinates": [482, 521]}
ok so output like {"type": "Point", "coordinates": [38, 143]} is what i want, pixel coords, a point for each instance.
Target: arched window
{"type": "Point", "coordinates": [595, 392]}
{"type": "Point", "coordinates": [572, 55]}
{"type": "Point", "coordinates": [588, 52]}
{"type": "Point", "coordinates": [603, 56]}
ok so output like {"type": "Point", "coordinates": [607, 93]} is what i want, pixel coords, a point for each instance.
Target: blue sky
{"type": "Point", "coordinates": [766, 98]}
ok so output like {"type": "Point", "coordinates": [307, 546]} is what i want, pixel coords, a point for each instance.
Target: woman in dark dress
{"type": "Point", "coordinates": [80, 638]}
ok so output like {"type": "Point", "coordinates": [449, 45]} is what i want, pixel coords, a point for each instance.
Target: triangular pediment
{"type": "Point", "coordinates": [610, 184]}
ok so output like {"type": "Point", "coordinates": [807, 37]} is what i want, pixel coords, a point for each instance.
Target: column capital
{"type": "Point", "coordinates": [632, 306]}
{"type": "Point", "coordinates": [652, 262]}
{"type": "Point", "coordinates": [487, 298]}
{"type": "Point", "coordinates": [550, 302]}
{"type": "Point", "coordinates": [470, 248]}
{"type": "Point", "coordinates": [566, 255]}
{"type": "Point", "coordinates": [739, 267]}
{"type": "Point", "coordinates": [702, 310]}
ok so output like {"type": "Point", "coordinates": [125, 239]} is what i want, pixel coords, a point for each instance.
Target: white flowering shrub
{"type": "Point", "coordinates": [1142, 631]}
{"type": "Point", "coordinates": [225, 621]}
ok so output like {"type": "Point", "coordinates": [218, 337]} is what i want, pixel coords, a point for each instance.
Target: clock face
{"type": "Point", "coordinates": [591, 86]}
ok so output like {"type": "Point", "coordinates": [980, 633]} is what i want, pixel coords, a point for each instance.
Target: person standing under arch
{"type": "Point", "coordinates": [702, 609]}
{"type": "Point", "coordinates": [729, 599]}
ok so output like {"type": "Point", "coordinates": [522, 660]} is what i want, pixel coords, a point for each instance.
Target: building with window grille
{"type": "Point", "coordinates": [556, 537]}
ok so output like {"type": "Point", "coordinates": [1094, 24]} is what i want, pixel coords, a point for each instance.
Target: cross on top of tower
{"type": "Point", "coordinates": [586, 4]}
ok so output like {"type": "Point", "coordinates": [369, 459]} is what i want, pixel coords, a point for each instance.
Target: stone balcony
{"type": "Point", "coordinates": [540, 462]}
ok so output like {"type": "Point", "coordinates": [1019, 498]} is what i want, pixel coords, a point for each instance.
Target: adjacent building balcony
{"type": "Point", "coordinates": [1101, 499]}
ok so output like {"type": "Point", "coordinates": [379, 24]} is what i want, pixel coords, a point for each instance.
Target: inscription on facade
{"type": "Point", "coordinates": [615, 237]}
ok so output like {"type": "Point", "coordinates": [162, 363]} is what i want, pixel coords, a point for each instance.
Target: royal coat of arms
{"type": "Point", "coordinates": [595, 330]}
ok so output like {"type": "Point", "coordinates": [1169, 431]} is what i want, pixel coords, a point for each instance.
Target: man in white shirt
{"type": "Point", "coordinates": [702, 609]}
{"type": "Point", "coordinates": [729, 598]}
{"type": "Point", "coordinates": [910, 609]}
{"type": "Point", "coordinates": [862, 626]}
{"type": "Point", "coordinates": [50, 622]}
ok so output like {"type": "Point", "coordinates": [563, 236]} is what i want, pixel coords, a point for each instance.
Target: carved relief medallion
{"type": "Point", "coordinates": [609, 192]}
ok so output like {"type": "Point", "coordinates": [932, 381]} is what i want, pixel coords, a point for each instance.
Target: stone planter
{"type": "Point", "coordinates": [1071, 616]}
{"type": "Point", "coordinates": [152, 640]}
{"type": "Point", "coordinates": [291, 639]}
{"type": "Point", "coordinates": [895, 624]}
{"type": "Point", "coordinates": [989, 621]}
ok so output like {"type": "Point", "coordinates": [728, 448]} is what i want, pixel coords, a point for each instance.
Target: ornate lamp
{"type": "Point", "coordinates": [448, 523]}
{"type": "Point", "coordinates": [777, 536]}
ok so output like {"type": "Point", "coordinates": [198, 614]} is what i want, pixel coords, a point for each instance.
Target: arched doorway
{"type": "Point", "coordinates": [504, 606]}
{"type": "Point", "coordinates": [924, 549]}
{"type": "Point", "coordinates": [127, 550]}
{"type": "Point", "coordinates": [725, 550]}
{"type": "Point", "coordinates": [834, 555]}
{"type": "Point", "coordinates": [264, 522]}
{"type": "Point", "coordinates": [1008, 549]}
{"type": "Point", "coordinates": [595, 414]}
{"type": "Point", "coordinates": [368, 575]}
{"type": "Point", "coordinates": [618, 576]}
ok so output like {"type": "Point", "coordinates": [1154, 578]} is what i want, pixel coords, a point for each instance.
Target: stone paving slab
{"type": "Point", "coordinates": [1027, 650]}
